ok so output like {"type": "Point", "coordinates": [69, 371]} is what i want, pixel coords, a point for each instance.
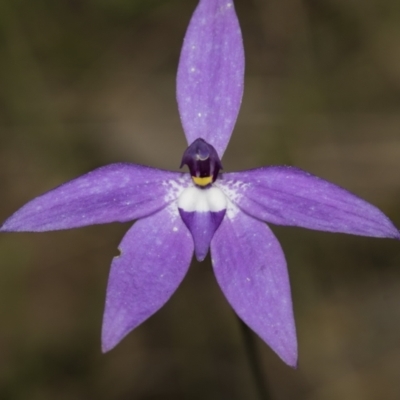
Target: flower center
{"type": "Point", "coordinates": [193, 199]}
{"type": "Point", "coordinates": [203, 162]}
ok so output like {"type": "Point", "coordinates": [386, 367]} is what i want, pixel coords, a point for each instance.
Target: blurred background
{"type": "Point", "coordinates": [84, 83]}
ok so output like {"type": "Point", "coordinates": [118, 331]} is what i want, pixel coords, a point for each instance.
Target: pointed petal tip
{"type": "Point", "coordinates": [14, 225]}
{"type": "Point", "coordinates": [105, 348]}
{"type": "Point", "coordinates": [200, 255]}
{"type": "Point", "coordinates": [286, 350]}
{"type": "Point", "coordinates": [396, 234]}
{"type": "Point", "coordinates": [115, 328]}
{"type": "Point", "coordinates": [388, 228]}
{"type": "Point", "coordinates": [6, 226]}
{"type": "Point", "coordinates": [290, 359]}
{"type": "Point", "coordinates": [109, 340]}
{"type": "Point", "coordinates": [111, 334]}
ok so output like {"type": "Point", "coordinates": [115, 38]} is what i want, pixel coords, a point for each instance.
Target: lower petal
{"type": "Point", "coordinates": [202, 210]}
{"type": "Point", "coordinates": [155, 256]}
{"type": "Point", "coordinates": [202, 226]}
{"type": "Point", "coordinates": [250, 268]}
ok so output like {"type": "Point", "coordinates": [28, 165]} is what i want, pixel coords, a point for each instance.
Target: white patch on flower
{"type": "Point", "coordinates": [231, 210]}
{"type": "Point", "coordinates": [233, 189]}
{"type": "Point", "coordinates": [202, 200]}
{"type": "Point", "coordinates": [173, 212]}
{"type": "Point", "coordinates": [174, 189]}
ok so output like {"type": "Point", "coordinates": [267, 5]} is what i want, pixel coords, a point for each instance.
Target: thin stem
{"type": "Point", "coordinates": [254, 361]}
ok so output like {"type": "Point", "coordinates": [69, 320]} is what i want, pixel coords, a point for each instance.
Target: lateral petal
{"type": "Point", "coordinates": [210, 74]}
{"type": "Point", "coordinates": [155, 256]}
{"type": "Point", "coordinates": [291, 196]}
{"type": "Point", "coordinates": [114, 193]}
{"type": "Point", "coordinates": [250, 268]}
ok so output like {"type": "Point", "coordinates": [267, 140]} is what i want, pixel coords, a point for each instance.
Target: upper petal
{"type": "Point", "coordinates": [210, 74]}
{"type": "Point", "coordinates": [155, 256]}
{"type": "Point", "coordinates": [116, 192]}
{"type": "Point", "coordinates": [290, 196]}
{"type": "Point", "coordinates": [251, 269]}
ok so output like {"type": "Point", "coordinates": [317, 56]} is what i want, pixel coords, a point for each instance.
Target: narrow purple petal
{"type": "Point", "coordinates": [251, 270]}
{"type": "Point", "coordinates": [202, 226]}
{"type": "Point", "coordinates": [290, 196]}
{"type": "Point", "coordinates": [114, 193]}
{"type": "Point", "coordinates": [210, 74]}
{"type": "Point", "coordinates": [155, 256]}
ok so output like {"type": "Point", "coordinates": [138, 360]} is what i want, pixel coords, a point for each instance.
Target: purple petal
{"type": "Point", "coordinates": [202, 226]}
{"type": "Point", "coordinates": [116, 192]}
{"type": "Point", "coordinates": [210, 74]}
{"type": "Point", "coordinates": [251, 270]}
{"type": "Point", "coordinates": [290, 196]}
{"type": "Point", "coordinates": [155, 256]}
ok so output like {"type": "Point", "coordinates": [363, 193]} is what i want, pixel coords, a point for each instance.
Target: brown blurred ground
{"type": "Point", "coordinates": [88, 82]}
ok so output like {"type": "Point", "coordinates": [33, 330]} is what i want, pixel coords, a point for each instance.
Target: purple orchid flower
{"type": "Point", "coordinates": [179, 213]}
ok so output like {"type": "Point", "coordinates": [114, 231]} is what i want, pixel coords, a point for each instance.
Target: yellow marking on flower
{"type": "Point", "coordinates": [202, 181]}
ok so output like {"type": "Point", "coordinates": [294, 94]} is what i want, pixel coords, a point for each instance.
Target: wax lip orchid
{"type": "Point", "coordinates": [180, 213]}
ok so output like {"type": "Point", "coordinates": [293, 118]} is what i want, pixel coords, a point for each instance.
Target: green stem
{"type": "Point", "coordinates": [255, 362]}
